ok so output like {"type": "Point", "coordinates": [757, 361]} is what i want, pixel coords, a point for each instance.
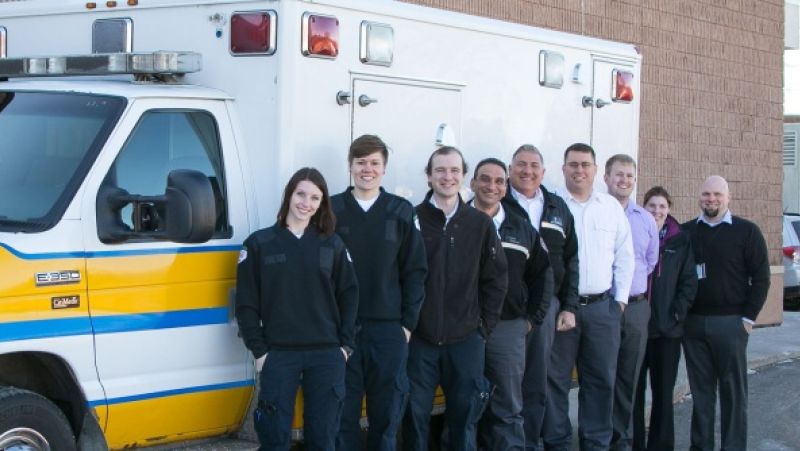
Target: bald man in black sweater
{"type": "Point", "coordinates": [733, 280]}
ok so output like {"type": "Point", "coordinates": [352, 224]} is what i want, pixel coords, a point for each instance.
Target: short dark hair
{"type": "Point", "coordinates": [324, 219]}
{"type": "Point", "coordinates": [486, 161]}
{"type": "Point", "coordinates": [528, 148]}
{"type": "Point", "coordinates": [445, 150]}
{"type": "Point", "coordinates": [580, 147]}
{"type": "Point", "coordinates": [658, 191]}
{"type": "Point", "coordinates": [620, 158]}
{"type": "Point", "coordinates": [367, 145]}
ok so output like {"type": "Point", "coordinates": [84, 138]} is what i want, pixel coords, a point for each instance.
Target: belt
{"type": "Point", "coordinates": [637, 298]}
{"type": "Point", "coordinates": [591, 298]}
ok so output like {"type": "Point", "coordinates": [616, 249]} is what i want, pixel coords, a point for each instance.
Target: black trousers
{"type": "Point", "coordinates": [592, 346]}
{"type": "Point", "coordinates": [632, 347]}
{"type": "Point", "coordinates": [716, 360]}
{"type": "Point", "coordinates": [661, 362]}
{"type": "Point", "coordinates": [534, 383]}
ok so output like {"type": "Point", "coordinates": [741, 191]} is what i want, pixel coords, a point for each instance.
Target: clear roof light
{"type": "Point", "coordinates": [377, 44]}
{"type": "Point", "coordinates": [551, 69]}
{"type": "Point", "coordinates": [3, 42]}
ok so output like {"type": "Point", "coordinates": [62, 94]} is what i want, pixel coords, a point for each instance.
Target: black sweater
{"type": "Point", "coordinates": [557, 229]}
{"type": "Point", "coordinates": [295, 293]}
{"type": "Point", "coordinates": [388, 255]}
{"type": "Point", "coordinates": [736, 266]}
{"type": "Point", "coordinates": [466, 281]}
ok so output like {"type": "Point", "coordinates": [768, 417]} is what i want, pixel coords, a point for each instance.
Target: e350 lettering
{"type": "Point", "coordinates": [57, 277]}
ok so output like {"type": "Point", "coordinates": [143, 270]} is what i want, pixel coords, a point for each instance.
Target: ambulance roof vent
{"type": "Point", "coordinates": [152, 66]}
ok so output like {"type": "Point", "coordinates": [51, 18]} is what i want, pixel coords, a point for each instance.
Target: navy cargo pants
{"type": "Point", "coordinates": [458, 368]}
{"type": "Point", "coordinates": [377, 368]}
{"type": "Point", "coordinates": [321, 373]}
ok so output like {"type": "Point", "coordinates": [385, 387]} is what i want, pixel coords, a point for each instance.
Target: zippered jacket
{"type": "Point", "coordinates": [557, 229]}
{"type": "Point", "coordinates": [673, 284]}
{"type": "Point", "coordinates": [467, 281]}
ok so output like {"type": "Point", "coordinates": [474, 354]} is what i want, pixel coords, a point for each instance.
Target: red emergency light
{"type": "Point", "coordinates": [253, 33]}
{"type": "Point", "coordinates": [623, 86]}
{"type": "Point", "coordinates": [320, 36]}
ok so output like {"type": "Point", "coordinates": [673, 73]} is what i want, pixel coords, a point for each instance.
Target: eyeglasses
{"type": "Point", "coordinates": [576, 165]}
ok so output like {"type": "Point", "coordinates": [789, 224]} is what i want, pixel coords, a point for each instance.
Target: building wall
{"type": "Point", "coordinates": [712, 98]}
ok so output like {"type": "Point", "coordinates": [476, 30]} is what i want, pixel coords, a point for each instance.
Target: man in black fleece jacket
{"type": "Point", "coordinates": [530, 288]}
{"type": "Point", "coordinates": [733, 280]}
{"type": "Point", "coordinates": [464, 293]}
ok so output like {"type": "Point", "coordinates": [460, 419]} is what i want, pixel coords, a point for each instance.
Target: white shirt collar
{"type": "Point", "coordinates": [498, 217]}
{"type": "Point", "coordinates": [537, 195]}
{"type": "Point", "coordinates": [594, 196]}
{"type": "Point", "coordinates": [727, 218]}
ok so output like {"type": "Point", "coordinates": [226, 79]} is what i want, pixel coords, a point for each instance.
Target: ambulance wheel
{"type": "Point", "coordinates": [30, 422]}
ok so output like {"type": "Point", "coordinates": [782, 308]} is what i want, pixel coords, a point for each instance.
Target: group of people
{"type": "Point", "coordinates": [496, 300]}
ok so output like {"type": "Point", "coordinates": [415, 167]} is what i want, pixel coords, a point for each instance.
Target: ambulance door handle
{"type": "Point", "coordinates": [365, 100]}
{"type": "Point", "coordinates": [587, 101]}
{"type": "Point", "coordinates": [343, 97]}
{"type": "Point", "coordinates": [600, 103]}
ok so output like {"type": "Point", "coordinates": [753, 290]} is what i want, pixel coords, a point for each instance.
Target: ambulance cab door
{"type": "Point", "coordinates": [168, 352]}
{"type": "Point", "coordinates": [615, 122]}
{"type": "Point", "coordinates": [412, 117]}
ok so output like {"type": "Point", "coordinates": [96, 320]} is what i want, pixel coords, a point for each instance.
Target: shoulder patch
{"type": "Point", "coordinates": [242, 255]}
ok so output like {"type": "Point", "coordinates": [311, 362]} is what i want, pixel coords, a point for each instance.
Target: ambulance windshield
{"type": "Point", "coordinates": [48, 141]}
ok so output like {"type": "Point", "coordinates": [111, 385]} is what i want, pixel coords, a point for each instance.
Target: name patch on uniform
{"type": "Point", "coordinates": [60, 302]}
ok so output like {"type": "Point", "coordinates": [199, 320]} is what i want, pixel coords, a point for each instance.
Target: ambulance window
{"type": "Point", "coordinates": [164, 141]}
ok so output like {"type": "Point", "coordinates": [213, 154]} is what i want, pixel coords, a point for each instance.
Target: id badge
{"type": "Point", "coordinates": [701, 271]}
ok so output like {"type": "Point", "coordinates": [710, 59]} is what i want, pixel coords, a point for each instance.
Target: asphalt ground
{"type": "Point", "coordinates": [773, 356]}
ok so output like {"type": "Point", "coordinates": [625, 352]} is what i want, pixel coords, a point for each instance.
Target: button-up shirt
{"type": "Point", "coordinates": [645, 245]}
{"type": "Point", "coordinates": [726, 218]}
{"type": "Point", "coordinates": [605, 247]}
{"type": "Point", "coordinates": [533, 205]}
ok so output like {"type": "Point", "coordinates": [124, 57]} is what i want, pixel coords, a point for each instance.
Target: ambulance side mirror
{"type": "Point", "coordinates": [186, 213]}
{"type": "Point", "coordinates": [191, 208]}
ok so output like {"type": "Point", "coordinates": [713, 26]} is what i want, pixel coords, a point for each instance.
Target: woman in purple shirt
{"type": "Point", "coordinates": [673, 283]}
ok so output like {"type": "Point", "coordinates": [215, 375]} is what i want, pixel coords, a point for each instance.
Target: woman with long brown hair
{"type": "Point", "coordinates": [296, 304]}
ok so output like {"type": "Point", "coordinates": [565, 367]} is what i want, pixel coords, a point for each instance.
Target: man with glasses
{"type": "Point", "coordinates": [606, 264]}
{"type": "Point", "coordinates": [530, 288]}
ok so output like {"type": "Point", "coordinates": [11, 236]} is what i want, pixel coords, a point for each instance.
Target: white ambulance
{"type": "Point", "coordinates": [141, 141]}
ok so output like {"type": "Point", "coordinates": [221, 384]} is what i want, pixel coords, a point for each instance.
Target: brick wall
{"type": "Point", "coordinates": [712, 98]}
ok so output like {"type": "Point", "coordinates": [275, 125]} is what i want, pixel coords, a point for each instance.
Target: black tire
{"type": "Point", "coordinates": [26, 417]}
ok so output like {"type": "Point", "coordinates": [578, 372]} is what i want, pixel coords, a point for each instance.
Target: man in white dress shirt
{"type": "Point", "coordinates": [606, 265]}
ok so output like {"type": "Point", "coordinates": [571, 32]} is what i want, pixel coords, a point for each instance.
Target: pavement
{"type": "Point", "coordinates": [767, 346]}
